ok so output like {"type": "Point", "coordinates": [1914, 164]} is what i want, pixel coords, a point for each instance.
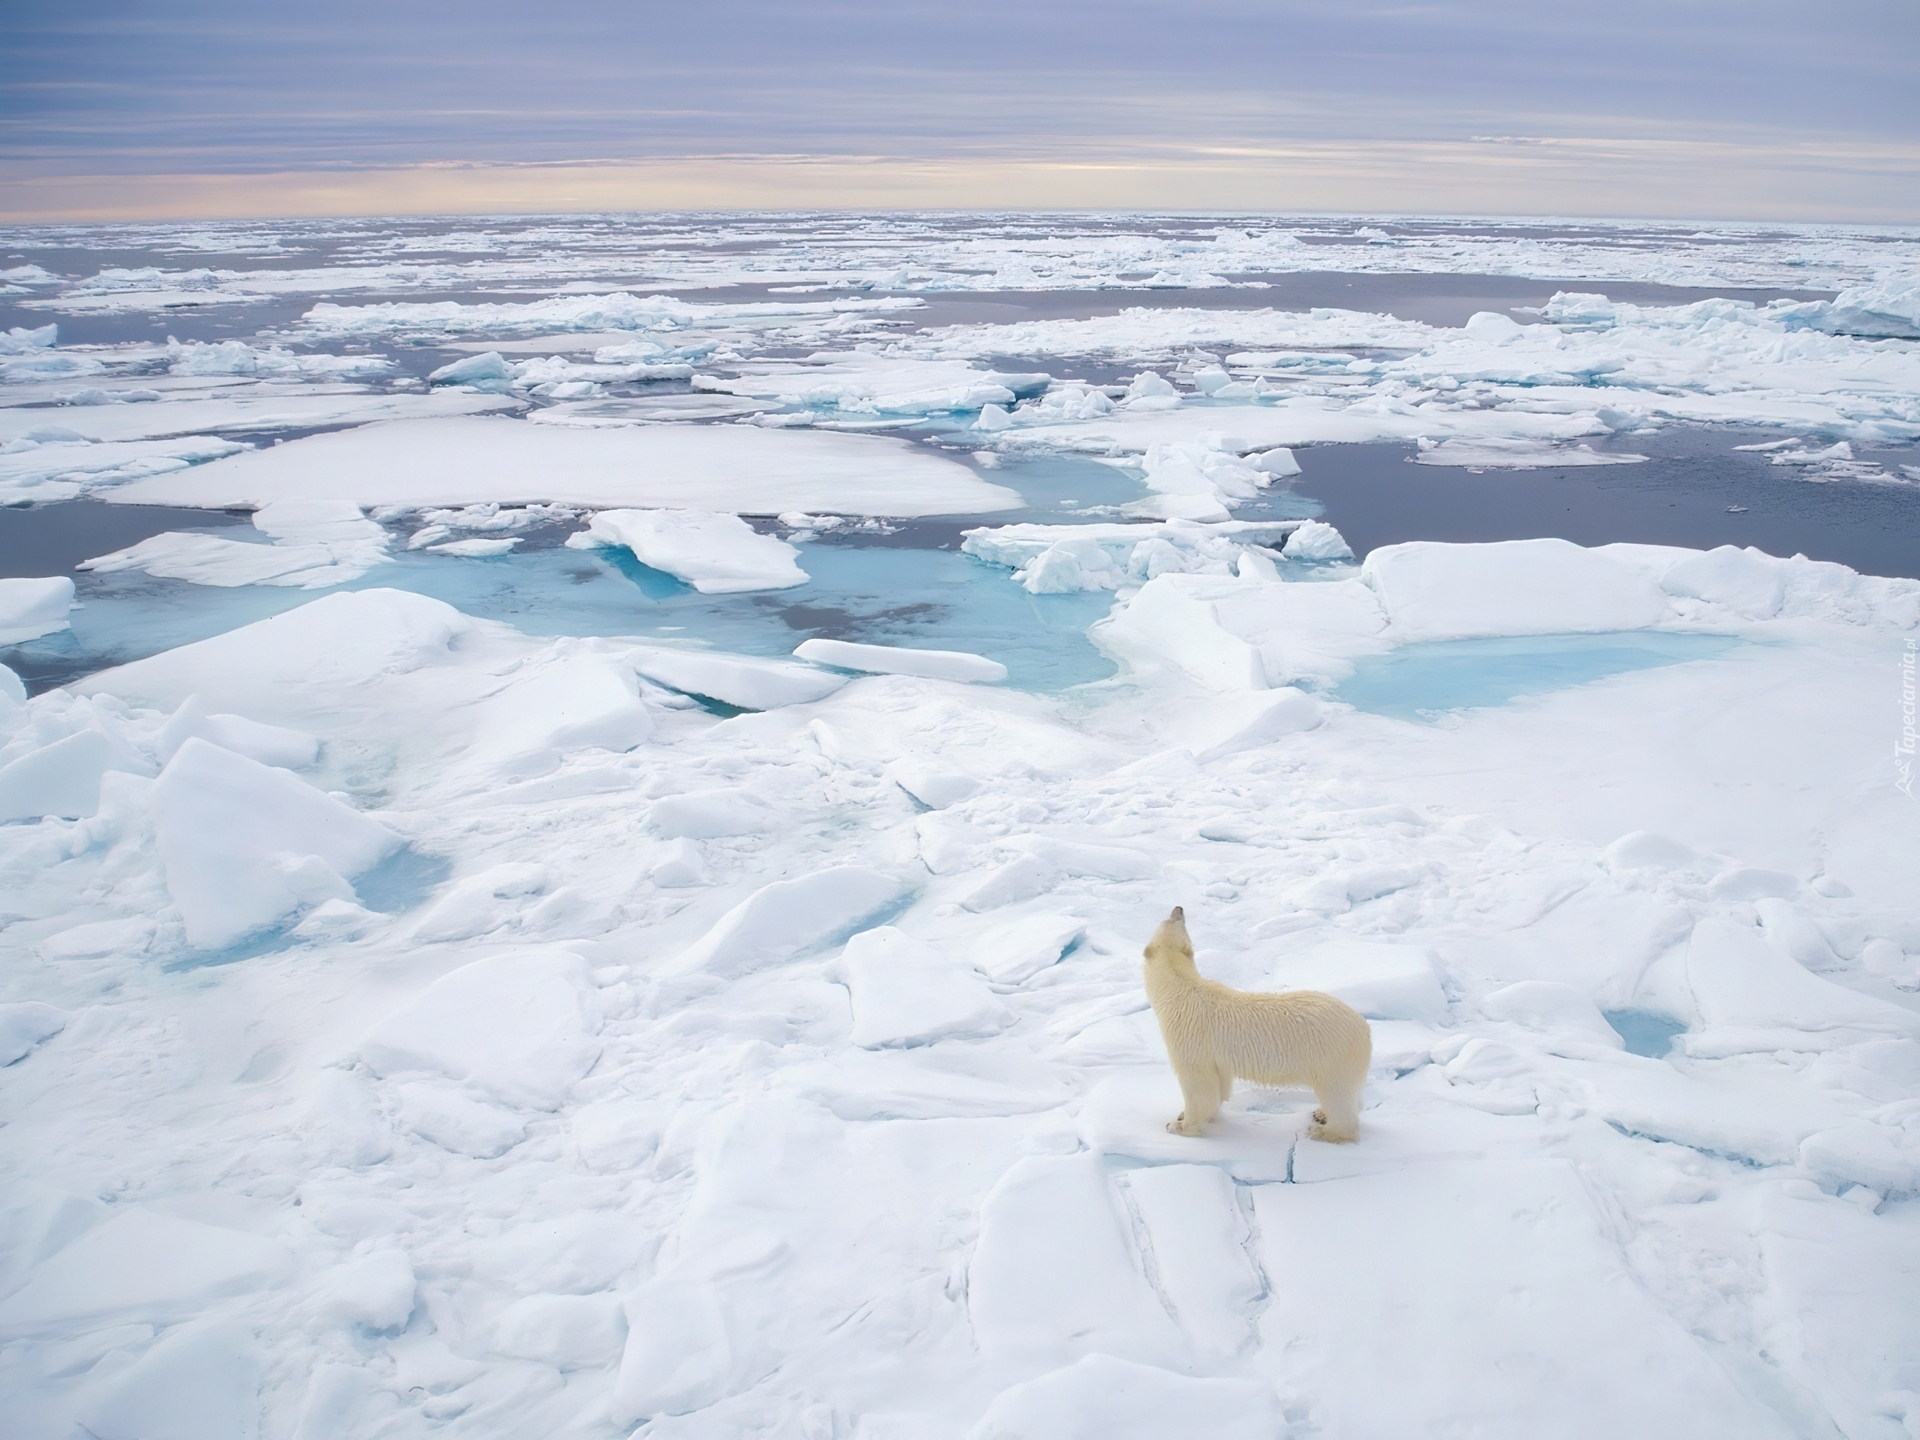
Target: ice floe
{"type": "Point", "coordinates": [716, 554]}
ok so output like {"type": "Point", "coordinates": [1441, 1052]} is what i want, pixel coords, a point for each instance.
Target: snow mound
{"type": "Point", "coordinates": [25, 1024]}
{"type": "Point", "coordinates": [140, 1265]}
{"type": "Point", "coordinates": [199, 1381]}
{"type": "Point", "coordinates": [521, 1026]}
{"type": "Point", "coordinates": [1103, 1398]}
{"type": "Point", "coordinates": [245, 844]}
{"type": "Point", "coordinates": [899, 660]}
{"type": "Point", "coordinates": [790, 917]}
{"type": "Point", "coordinates": [716, 554]}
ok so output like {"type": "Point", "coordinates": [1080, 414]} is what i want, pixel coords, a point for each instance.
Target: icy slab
{"type": "Point", "coordinates": [1248, 721]}
{"type": "Point", "coordinates": [738, 680]}
{"type": "Point", "coordinates": [1052, 1276]}
{"type": "Point", "coordinates": [245, 844]}
{"type": "Point", "coordinates": [905, 992]}
{"type": "Point", "coordinates": [1016, 950]}
{"type": "Point", "coordinates": [708, 814]}
{"type": "Point", "coordinates": [140, 1265]}
{"type": "Point", "coordinates": [716, 554]}
{"type": "Point", "coordinates": [573, 702]}
{"type": "Point", "coordinates": [1101, 1397]}
{"type": "Point", "coordinates": [240, 409]}
{"type": "Point", "coordinates": [520, 1026]}
{"type": "Point", "coordinates": [463, 460]}
{"type": "Point", "coordinates": [329, 646]}
{"type": "Point", "coordinates": [900, 660]}
{"type": "Point", "coordinates": [60, 779]}
{"type": "Point", "coordinates": [25, 1024]}
{"type": "Point", "coordinates": [790, 917]}
{"type": "Point", "coordinates": [568, 1332]}
{"type": "Point", "coordinates": [314, 544]}
{"type": "Point", "coordinates": [1125, 1116]}
{"type": "Point", "coordinates": [199, 1381]}
{"type": "Point", "coordinates": [1380, 979]}
{"type": "Point", "coordinates": [1492, 453]}
{"type": "Point", "coordinates": [1508, 1259]}
{"type": "Point", "coordinates": [56, 462]}
{"type": "Point", "coordinates": [1063, 559]}
{"type": "Point", "coordinates": [269, 744]}
{"type": "Point", "coordinates": [1201, 1267]}
{"type": "Point", "coordinates": [1511, 587]}
{"type": "Point", "coordinates": [1316, 540]}
{"type": "Point", "coordinates": [30, 608]}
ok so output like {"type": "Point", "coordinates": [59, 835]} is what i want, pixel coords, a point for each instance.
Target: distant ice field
{"type": "Point", "coordinates": [580, 797]}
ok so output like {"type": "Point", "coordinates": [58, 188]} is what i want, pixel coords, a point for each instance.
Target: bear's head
{"type": "Point", "coordinates": [1171, 944]}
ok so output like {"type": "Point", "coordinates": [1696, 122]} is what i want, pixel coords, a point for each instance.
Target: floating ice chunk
{"type": "Point", "coordinates": [140, 1265]}
{"type": "Point", "coordinates": [477, 548]}
{"type": "Point", "coordinates": [1889, 310]}
{"type": "Point", "coordinates": [1070, 565]}
{"type": "Point", "coordinates": [20, 340]}
{"type": "Point", "coordinates": [737, 680]}
{"type": "Point", "coordinates": [60, 779]}
{"type": "Point", "coordinates": [1149, 386]}
{"type": "Point", "coordinates": [1279, 462]}
{"type": "Point", "coordinates": [1315, 540]}
{"type": "Point", "coordinates": [198, 1382]}
{"type": "Point", "coordinates": [1493, 452]}
{"type": "Point", "coordinates": [1017, 950]}
{"type": "Point", "coordinates": [707, 814]}
{"type": "Point", "coordinates": [30, 608]}
{"type": "Point", "coordinates": [56, 463]}
{"type": "Point", "coordinates": [1194, 480]}
{"type": "Point", "coordinates": [269, 744]}
{"type": "Point", "coordinates": [25, 1024]}
{"type": "Point", "coordinates": [1102, 1398]}
{"type": "Point", "coordinates": [788, 918]}
{"type": "Point", "coordinates": [462, 460]}
{"type": "Point", "coordinates": [568, 1332]}
{"type": "Point", "coordinates": [716, 554]}
{"type": "Point", "coordinates": [326, 646]}
{"type": "Point", "coordinates": [245, 844]}
{"type": "Point", "coordinates": [522, 1026]}
{"type": "Point", "coordinates": [1510, 587]}
{"type": "Point", "coordinates": [899, 660]}
{"type": "Point", "coordinates": [1051, 1274]}
{"type": "Point", "coordinates": [905, 992]}
{"type": "Point", "coordinates": [1383, 981]}
{"type": "Point", "coordinates": [488, 371]}
{"type": "Point", "coordinates": [315, 544]}
{"type": "Point", "coordinates": [375, 1290]}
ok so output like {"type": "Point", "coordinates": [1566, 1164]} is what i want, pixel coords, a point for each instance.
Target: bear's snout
{"type": "Point", "coordinates": [1179, 913]}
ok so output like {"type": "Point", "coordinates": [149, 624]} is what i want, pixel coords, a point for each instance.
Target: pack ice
{"type": "Point", "coordinates": [413, 1025]}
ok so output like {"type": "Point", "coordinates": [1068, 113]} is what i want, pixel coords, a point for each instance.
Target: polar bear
{"type": "Point", "coordinates": [1215, 1033]}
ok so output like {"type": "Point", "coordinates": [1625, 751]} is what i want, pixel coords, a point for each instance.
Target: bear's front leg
{"type": "Point", "coordinates": [1201, 1092]}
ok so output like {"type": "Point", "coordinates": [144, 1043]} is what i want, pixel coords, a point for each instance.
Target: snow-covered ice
{"type": "Point", "coordinates": [418, 1024]}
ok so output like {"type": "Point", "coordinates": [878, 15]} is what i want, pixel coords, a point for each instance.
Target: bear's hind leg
{"type": "Point", "coordinates": [1337, 1121]}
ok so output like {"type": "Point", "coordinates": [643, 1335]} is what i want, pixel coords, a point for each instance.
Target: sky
{"type": "Point", "coordinates": [1713, 109]}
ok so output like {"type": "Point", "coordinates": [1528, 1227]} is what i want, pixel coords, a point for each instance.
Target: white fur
{"type": "Point", "coordinates": [1216, 1034]}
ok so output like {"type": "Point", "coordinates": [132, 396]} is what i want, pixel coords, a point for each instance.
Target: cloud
{"type": "Point", "coordinates": [953, 96]}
